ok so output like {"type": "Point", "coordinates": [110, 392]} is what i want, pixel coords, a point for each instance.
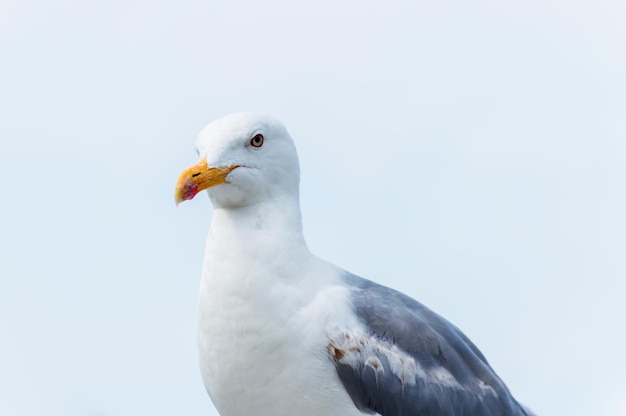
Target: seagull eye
{"type": "Point", "coordinates": [256, 140]}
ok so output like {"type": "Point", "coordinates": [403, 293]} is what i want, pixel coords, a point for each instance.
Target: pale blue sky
{"type": "Point", "coordinates": [470, 155]}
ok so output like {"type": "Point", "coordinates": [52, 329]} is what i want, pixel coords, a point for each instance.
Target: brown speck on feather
{"type": "Point", "coordinates": [336, 353]}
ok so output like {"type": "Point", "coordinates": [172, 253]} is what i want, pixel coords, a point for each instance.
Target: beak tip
{"type": "Point", "coordinates": [179, 194]}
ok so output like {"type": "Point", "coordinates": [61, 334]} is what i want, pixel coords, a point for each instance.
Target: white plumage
{"type": "Point", "coordinates": [282, 332]}
{"type": "Point", "coordinates": [265, 300]}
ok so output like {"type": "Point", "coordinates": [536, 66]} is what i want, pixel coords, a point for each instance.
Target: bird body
{"type": "Point", "coordinates": [247, 344]}
{"type": "Point", "coordinates": [282, 332]}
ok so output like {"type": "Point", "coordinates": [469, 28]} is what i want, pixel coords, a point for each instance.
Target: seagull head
{"type": "Point", "coordinates": [245, 159]}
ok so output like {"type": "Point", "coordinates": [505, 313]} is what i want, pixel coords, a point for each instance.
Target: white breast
{"type": "Point", "coordinates": [263, 337]}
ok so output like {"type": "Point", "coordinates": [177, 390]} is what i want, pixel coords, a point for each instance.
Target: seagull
{"type": "Point", "coordinates": [283, 332]}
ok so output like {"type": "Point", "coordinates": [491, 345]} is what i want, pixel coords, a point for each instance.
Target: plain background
{"type": "Point", "coordinates": [470, 154]}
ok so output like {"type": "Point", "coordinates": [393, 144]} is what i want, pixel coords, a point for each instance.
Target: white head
{"type": "Point", "coordinates": [249, 155]}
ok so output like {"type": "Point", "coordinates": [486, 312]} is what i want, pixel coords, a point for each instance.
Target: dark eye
{"type": "Point", "coordinates": [256, 140]}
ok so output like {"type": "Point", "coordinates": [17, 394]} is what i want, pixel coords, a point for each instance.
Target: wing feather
{"type": "Point", "coordinates": [409, 361]}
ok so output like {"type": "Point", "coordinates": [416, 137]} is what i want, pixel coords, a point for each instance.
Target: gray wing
{"type": "Point", "coordinates": [413, 362]}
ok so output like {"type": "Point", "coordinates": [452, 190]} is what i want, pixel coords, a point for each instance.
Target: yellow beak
{"type": "Point", "coordinates": [198, 178]}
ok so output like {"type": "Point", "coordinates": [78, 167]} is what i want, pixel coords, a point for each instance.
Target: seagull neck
{"type": "Point", "coordinates": [275, 225]}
